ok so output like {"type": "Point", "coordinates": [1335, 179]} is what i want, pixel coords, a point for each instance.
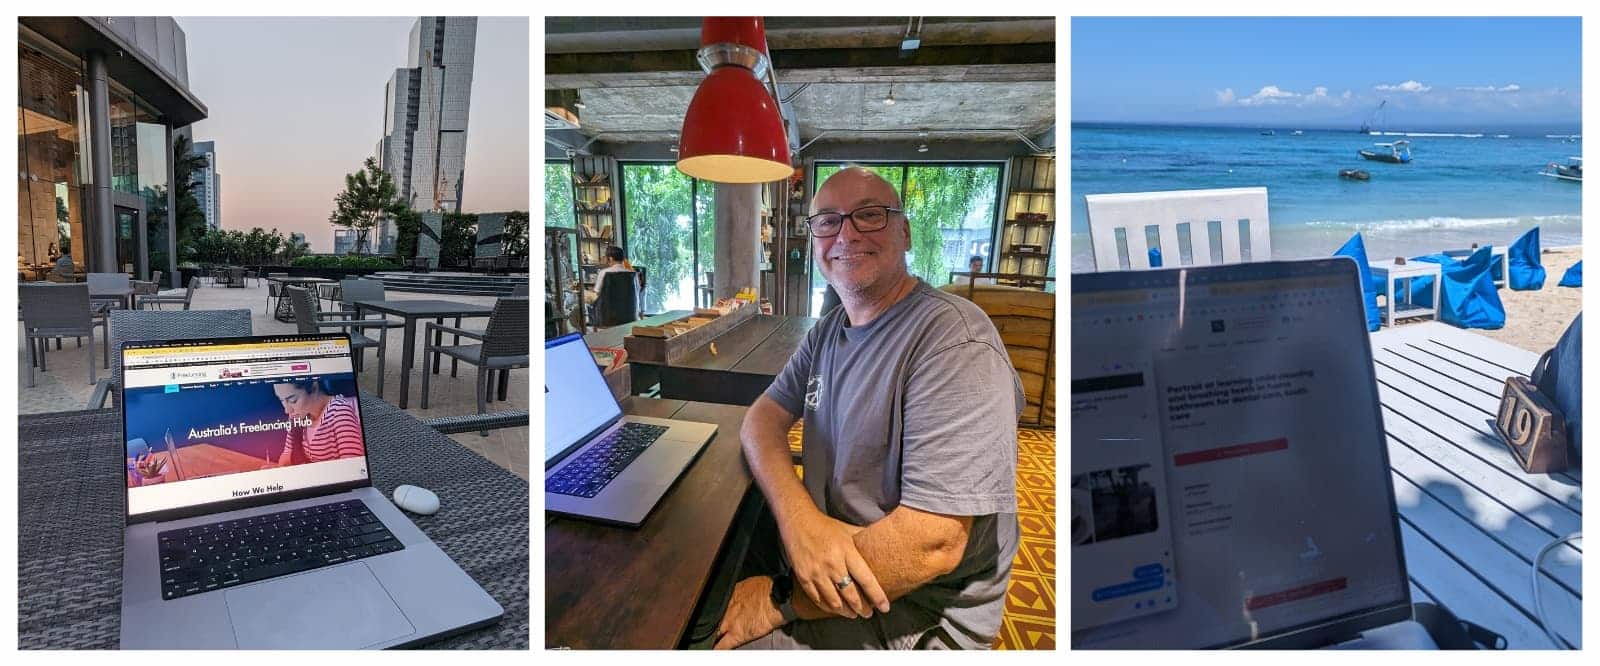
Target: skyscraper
{"type": "Point", "coordinates": [208, 184]}
{"type": "Point", "coordinates": [424, 143]}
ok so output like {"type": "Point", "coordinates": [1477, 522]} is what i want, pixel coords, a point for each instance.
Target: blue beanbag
{"type": "Point", "coordinates": [1468, 294]}
{"type": "Point", "coordinates": [1523, 262]}
{"type": "Point", "coordinates": [1573, 277]}
{"type": "Point", "coordinates": [1357, 250]}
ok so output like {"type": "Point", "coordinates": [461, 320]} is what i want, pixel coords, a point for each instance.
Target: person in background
{"type": "Point", "coordinates": [902, 531]}
{"type": "Point", "coordinates": [64, 264]}
{"type": "Point", "coordinates": [616, 261]}
{"type": "Point", "coordinates": [974, 265]}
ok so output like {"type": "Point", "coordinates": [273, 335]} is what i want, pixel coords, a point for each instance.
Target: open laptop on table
{"type": "Point", "coordinates": [1230, 477]}
{"type": "Point", "coordinates": [600, 464]}
{"type": "Point", "coordinates": [255, 525]}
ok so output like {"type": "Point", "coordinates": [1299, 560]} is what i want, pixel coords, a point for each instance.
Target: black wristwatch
{"type": "Point", "coordinates": [782, 592]}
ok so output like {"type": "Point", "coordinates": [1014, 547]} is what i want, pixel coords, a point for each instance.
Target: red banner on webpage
{"type": "Point", "coordinates": [1234, 451]}
{"type": "Point", "coordinates": [1295, 594]}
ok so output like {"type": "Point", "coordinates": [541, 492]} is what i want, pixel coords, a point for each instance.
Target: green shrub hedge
{"type": "Point", "coordinates": [346, 261]}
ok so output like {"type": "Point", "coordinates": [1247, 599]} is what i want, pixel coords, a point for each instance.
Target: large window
{"type": "Point", "coordinates": [670, 221]}
{"type": "Point", "coordinates": [952, 210]}
{"type": "Point", "coordinates": [50, 160]}
{"type": "Point", "coordinates": [558, 195]}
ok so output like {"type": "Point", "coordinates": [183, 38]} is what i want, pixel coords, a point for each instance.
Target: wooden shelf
{"type": "Point", "coordinates": [1033, 192]}
{"type": "Point", "coordinates": [594, 185]}
{"type": "Point", "coordinates": [1032, 223]}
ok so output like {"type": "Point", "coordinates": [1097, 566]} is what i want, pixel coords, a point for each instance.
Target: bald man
{"type": "Point", "coordinates": [902, 533]}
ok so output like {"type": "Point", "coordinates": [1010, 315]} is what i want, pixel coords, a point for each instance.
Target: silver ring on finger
{"type": "Point", "coordinates": [844, 582]}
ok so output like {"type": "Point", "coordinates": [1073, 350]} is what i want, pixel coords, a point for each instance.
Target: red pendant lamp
{"type": "Point", "coordinates": [733, 132]}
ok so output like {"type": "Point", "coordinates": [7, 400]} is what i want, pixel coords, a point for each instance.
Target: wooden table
{"type": "Point", "coordinates": [612, 336]}
{"type": "Point", "coordinates": [1390, 273]}
{"type": "Point", "coordinates": [616, 587]}
{"type": "Point", "coordinates": [1470, 519]}
{"type": "Point", "coordinates": [411, 311]}
{"type": "Point", "coordinates": [746, 361]}
{"type": "Point", "coordinates": [284, 312]}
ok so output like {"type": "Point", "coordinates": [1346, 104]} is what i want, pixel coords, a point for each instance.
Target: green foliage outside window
{"type": "Point", "coordinates": [658, 220]}
{"type": "Point", "coordinates": [558, 195]}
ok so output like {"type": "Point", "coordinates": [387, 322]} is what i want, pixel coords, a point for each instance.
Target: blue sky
{"type": "Point", "coordinates": [1328, 72]}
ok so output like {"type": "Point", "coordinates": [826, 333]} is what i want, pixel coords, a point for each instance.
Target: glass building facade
{"type": "Point", "coordinates": [121, 225]}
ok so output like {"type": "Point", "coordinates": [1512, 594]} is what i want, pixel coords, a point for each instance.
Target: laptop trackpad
{"type": "Point", "coordinates": [342, 607]}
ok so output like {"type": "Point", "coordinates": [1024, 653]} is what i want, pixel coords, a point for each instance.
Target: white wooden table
{"type": "Point", "coordinates": [1390, 273]}
{"type": "Point", "coordinates": [1470, 519]}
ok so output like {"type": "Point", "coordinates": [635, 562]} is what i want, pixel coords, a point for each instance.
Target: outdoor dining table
{"type": "Point", "coordinates": [70, 523]}
{"type": "Point", "coordinates": [284, 312]}
{"type": "Point", "coordinates": [411, 311]}
{"type": "Point", "coordinates": [123, 296]}
{"type": "Point", "coordinates": [1471, 520]}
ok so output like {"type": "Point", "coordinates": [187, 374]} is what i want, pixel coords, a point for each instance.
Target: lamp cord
{"type": "Point", "coordinates": [1538, 604]}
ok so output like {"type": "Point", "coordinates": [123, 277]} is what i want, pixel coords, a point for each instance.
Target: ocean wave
{"type": "Point", "coordinates": [1563, 136]}
{"type": "Point", "coordinates": [1429, 134]}
{"type": "Point", "coordinates": [1443, 223]}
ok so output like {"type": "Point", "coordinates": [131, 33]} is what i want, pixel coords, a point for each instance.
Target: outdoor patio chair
{"type": "Point", "coordinates": [274, 289]}
{"type": "Point", "coordinates": [351, 290]}
{"type": "Point", "coordinates": [501, 347]}
{"type": "Point", "coordinates": [129, 325]}
{"type": "Point", "coordinates": [56, 311]}
{"type": "Point", "coordinates": [184, 296]}
{"type": "Point", "coordinates": [236, 277]}
{"type": "Point", "coordinates": [101, 283]}
{"type": "Point", "coordinates": [1191, 227]}
{"type": "Point", "coordinates": [309, 318]}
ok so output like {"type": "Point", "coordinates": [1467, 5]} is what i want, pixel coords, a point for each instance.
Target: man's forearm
{"type": "Point", "coordinates": [905, 550]}
{"type": "Point", "coordinates": [766, 448]}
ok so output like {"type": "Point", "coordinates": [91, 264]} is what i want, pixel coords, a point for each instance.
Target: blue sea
{"type": "Point", "coordinates": [1462, 187]}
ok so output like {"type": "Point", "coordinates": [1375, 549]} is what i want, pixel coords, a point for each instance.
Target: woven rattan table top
{"type": "Point", "coordinates": [70, 523]}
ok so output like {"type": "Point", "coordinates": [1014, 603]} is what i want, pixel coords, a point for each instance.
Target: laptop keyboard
{"type": "Point", "coordinates": [220, 555]}
{"type": "Point", "coordinates": [605, 458]}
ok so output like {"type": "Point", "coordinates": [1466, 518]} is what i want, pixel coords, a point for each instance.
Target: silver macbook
{"type": "Point", "coordinates": [1230, 477]}
{"type": "Point", "coordinates": [255, 525]}
{"type": "Point", "coordinates": [600, 464]}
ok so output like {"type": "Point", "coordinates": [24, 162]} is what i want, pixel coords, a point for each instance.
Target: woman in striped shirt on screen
{"type": "Point", "coordinates": [335, 430]}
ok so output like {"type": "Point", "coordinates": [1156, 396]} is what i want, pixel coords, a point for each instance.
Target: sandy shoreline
{"type": "Point", "coordinates": [1535, 320]}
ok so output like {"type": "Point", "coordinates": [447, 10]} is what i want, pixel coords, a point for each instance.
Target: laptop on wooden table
{"type": "Point", "coordinates": [600, 464]}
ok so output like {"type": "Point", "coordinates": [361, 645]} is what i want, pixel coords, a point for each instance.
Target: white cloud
{"type": "Point", "coordinates": [1318, 93]}
{"type": "Point", "coordinates": [1269, 95]}
{"type": "Point", "coordinates": [1508, 88]}
{"type": "Point", "coordinates": [1410, 86]}
{"type": "Point", "coordinates": [1225, 96]}
{"type": "Point", "coordinates": [1346, 95]}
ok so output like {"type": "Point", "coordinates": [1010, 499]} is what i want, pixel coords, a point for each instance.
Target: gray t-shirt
{"type": "Point", "coordinates": [918, 407]}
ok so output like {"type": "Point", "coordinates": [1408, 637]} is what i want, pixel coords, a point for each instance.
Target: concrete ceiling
{"type": "Point", "coordinates": [971, 80]}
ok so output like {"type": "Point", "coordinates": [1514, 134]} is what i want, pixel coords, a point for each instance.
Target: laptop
{"type": "Point", "coordinates": [599, 464]}
{"type": "Point", "coordinates": [256, 526]}
{"type": "Point", "coordinates": [1230, 481]}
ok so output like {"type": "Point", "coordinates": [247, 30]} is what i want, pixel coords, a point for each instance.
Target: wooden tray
{"type": "Point", "coordinates": [664, 351]}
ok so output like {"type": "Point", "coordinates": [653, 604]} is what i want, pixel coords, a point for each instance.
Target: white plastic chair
{"type": "Point", "coordinates": [1192, 227]}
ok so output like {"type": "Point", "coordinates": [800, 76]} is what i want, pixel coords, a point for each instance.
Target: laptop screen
{"type": "Point", "coordinates": [577, 401]}
{"type": "Point", "coordinates": [217, 421]}
{"type": "Point", "coordinates": [1230, 481]}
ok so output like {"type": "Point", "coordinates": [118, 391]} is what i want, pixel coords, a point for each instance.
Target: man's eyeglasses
{"type": "Point", "coordinates": [866, 219]}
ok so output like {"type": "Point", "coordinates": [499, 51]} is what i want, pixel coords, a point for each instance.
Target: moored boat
{"type": "Point", "coordinates": [1572, 171]}
{"type": "Point", "coordinates": [1398, 152]}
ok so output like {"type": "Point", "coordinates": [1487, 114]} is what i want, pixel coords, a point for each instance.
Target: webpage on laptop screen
{"type": "Point", "coordinates": [1226, 481]}
{"type": "Point", "coordinates": [215, 422]}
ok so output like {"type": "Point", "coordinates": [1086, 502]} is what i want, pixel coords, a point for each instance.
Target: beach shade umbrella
{"type": "Point", "coordinates": [1357, 250]}
{"type": "Point", "coordinates": [1155, 257]}
{"type": "Point", "coordinates": [1573, 277]}
{"type": "Point", "coordinates": [1468, 293]}
{"type": "Point", "coordinates": [1522, 259]}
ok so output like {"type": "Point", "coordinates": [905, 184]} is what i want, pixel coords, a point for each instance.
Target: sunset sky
{"type": "Point", "coordinates": [297, 103]}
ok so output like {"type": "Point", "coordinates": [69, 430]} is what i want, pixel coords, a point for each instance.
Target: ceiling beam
{"type": "Point", "coordinates": [1024, 62]}
{"type": "Point", "coordinates": [624, 34]}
